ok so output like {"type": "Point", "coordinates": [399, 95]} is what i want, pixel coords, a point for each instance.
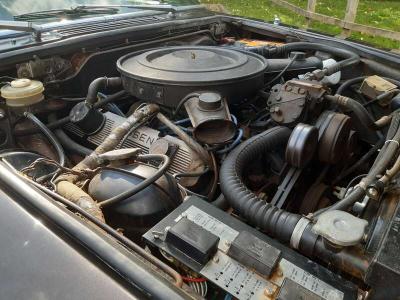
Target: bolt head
{"type": "Point", "coordinates": [372, 192]}
{"type": "Point", "coordinates": [302, 91]}
{"type": "Point", "coordinates": [269, 291]}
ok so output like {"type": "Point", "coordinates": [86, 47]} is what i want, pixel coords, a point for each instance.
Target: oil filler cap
{"type": "Point", "coordinates": [210, 101]}
{"type": "Point", "coordinates": [340, 228]}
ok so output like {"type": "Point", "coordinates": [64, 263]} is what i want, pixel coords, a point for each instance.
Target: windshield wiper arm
{"type": "Point", "coordinates": [84, 10]}
{"type": "Point", "coordinates": [166, 8]}
{"type": "Point", "coordinates": [36, 30]}
{"type": "Point", "coordinates": [60, 13]}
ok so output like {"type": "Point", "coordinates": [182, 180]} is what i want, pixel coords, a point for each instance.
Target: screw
{"type": "Point", "coordinates": [227, 243]}
{"type": "Point", "coordinates": [157, 234]}
{"type": "Point", "coordinates": [289, 88]}
{"type": "Point", "coordinates": [302, 91]}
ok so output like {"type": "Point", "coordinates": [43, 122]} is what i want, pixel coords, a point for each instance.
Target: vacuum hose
{"type": "Point", "coordinates": [350, 58]}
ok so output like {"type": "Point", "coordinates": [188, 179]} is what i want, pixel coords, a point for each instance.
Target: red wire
{"type": "Point", "coordinates": [194, 279]}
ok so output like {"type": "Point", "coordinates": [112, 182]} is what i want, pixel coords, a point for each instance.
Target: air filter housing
{"type": "Point", "coordinates": [166, 75]}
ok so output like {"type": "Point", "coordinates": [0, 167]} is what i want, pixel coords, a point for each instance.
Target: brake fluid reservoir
{"type": "Point", "coordinates": [22, 92]}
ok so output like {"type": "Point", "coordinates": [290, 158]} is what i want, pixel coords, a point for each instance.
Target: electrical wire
{"type": "Point", "coordinates": [111, 231]}
{"type": "Point", "coordinates": [283, 71]}
{"type": "Point", "coordinates": [192, 279]}
{"type": "Point", "coordinates": [145, 183]}
{"type": "Point", "coordinates": [61, 122]}
{"type": "Point", "coordinates": [233, 144]}
{"type": "Point", "coordinates": [51, 137]}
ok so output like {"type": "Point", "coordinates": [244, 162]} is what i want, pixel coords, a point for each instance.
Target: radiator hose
{"type": "Point", "coordinates": [274, 221]}
{"type": "Point", "coordinates": [349, 58]}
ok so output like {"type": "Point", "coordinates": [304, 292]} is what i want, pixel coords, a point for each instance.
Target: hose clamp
{"type": "Point", "coordinates": [298, 232]}
{"type": "Point", "coordinates": [393, 141]}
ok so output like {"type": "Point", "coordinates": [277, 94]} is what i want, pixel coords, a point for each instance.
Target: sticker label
{"type": "Point", "coordinates": [235, 278]}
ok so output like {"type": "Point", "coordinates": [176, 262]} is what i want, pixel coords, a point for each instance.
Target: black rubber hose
{"type": "Point", "coordinates": [101, 84]}
{"type": "Point", "coordinates": [350, 58]}
{"type": "Point", "coordinates": [61, 122]}
{"type": "Point", "coordinates": [67, 142]}
{"type": "Point", "coordinates": [145, 183]}
{"type": "Point", "coordinates": [53, 140]}
{"type": "Point", "coordinates": [70, 144]}
{"type": "Point", "coordinates": [360, 162]}
{"type": "Point", "coordinates": [274, 221]}
{"type": "Point", "coordinates": [221, 202]}
{"type": "Point", "coordinates": [356, 107]}
{"type": "Point", "coordinates": [183, 101]}
{"type": "Point", "coordinates": [381, 163]}
{"type": "Point", "coordinates": [282, 72]}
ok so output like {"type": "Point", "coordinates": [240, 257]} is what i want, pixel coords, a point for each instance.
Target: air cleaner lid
{"type": "Point", "coordinates": [191, 65]}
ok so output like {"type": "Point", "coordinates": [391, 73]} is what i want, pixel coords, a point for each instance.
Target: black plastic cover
{"type": "Point", "coordinates": [166, 75]}
{"type": "Point", "coordinates": [191, 65]}
{"type": "Point", "coordinates": [88, 119]}
{"type": "Point", "coordinates": [254, 253]}
{"type": "Point", "coordinates": [293, 291]}
{"type": "Point", "coordinates": [194, 241]}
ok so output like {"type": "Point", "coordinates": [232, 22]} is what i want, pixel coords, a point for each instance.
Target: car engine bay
{"type": "Point", "coordinates": [242, 166]}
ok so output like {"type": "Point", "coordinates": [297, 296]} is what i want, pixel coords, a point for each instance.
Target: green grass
{"type": "Point", "coordinates": [378, 13]}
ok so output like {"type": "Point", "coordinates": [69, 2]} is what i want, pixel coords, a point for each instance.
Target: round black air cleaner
{"type": "Point", "coordinates": [166, 75]}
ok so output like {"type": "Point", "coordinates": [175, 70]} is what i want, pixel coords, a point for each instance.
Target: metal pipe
{"type": "Point", "coordinates": [195, 146]}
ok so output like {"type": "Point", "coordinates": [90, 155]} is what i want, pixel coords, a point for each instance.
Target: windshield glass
{"type": "Point", "coordinates": [376, 22]}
